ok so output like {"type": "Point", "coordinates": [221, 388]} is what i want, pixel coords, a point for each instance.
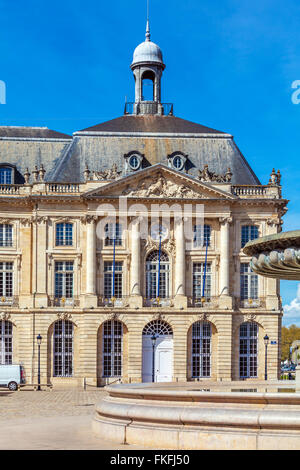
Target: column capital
{"type": "Point", "coordinates": [89, 219]}
{"type": "Point", "coordinates": [225, 220]}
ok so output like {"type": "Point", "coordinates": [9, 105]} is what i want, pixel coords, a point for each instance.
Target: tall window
{"type": "Point", "coordinates": [6, 342]}
{"type": "Point", "coordinates": [249, 232]}
{"type": "Point", "coordinates": [153, 267]}
{"type": "Point", "coordinates": [201, 349]}
{"type": "Point", "coordinates": [113, 231]}
{"type": "Point", "coordinates": [6, 175]}
{"type": "Point", "coordinates": [112, 348]}
{"type": "Point", "coordinates": [6, 279]}
{"type": "Point", "coordinates": [64, 279]}
{"type": "Point", "coordinates": [63, 349]}
{"type": "Point", "coordinates": [202, 235]}
{"type": "Point", "coordinates": [248, 349]}
{"type": "Point", "coordinates": [111, 280]}
{"type": "Point", "coordinates": [64, 234]}
{"type": "Point", "coordinates": [198, 280]}
{"type": "Point", "coordinates": [6, 231]}
{"type": "Point", "coordinates": [249, 283]}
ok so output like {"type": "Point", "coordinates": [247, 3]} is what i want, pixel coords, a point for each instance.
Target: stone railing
{"type": "Point", "coordinates": [64, 301]}
{"type": "Point", "coordinates": [256, 191]}
{"type": "Point", "coordinates": [158, 302]}
{"type": "Point", "coordinates": [115, 302]}
{"type": "Point", "coordinates": [251, 303]}
{"type": "Point", "coordinates": [9, 301]}
{"type": "Point", "coordinates": [10, 188]}
{"type": "Point", "coordinates": [56, 188]}
{"type": "Point", "coordinates": [203, 302]}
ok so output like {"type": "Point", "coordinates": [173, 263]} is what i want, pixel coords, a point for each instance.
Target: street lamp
{"type": "Point", "coordinates": [153, 339]}
{"type": "Point", "coordinates": [266, 341]}
{"type": "Point", "coordinates": [39, 341]}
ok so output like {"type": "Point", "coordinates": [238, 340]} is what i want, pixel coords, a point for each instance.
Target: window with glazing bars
{"type": "Point", "coordinates": [6, 279]}
{"type": "Point", "coordinates": [64, 234]}
{"type": "Point", "coordinates": [113, 231]}
{"type": "Point", "coordinates": [108, 280]}
{"type": "Point", "coordinates": [249, 232]}
{"type": "Point", "coordinates": [202, 235]}
{"type": "Point", "coordinates": [63, 349]}
{"type": "Point", "coordinates": [153, 267]}
{"type": "Point", "coordinates": [198, 279]}
{"type": "Point", "coordinates": [112, 348]}
{"type": "Point", "coordinates": [201, 349]}
{"type": "Point", "coordinates": [64, 279]}
{"type": "Point", "coordinates": [5, 176]}
{"type": "Point", "coordinates": [249, 283]}
{"type": "Point", "coordinates": [6, 342]}
{"type": "Point", "coordinates": [248, 350]}
{"type": "Point", "coordinates": [6, 231]}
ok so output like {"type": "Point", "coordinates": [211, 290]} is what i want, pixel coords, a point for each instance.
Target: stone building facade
{"type": "Point", "coordinates": [103, 255]}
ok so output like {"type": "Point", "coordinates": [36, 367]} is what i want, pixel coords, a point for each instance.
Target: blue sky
{"type": "Point", "coordinates": [230, 66]}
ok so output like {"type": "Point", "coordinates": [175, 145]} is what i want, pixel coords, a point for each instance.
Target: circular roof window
{"type": "Point", "coordinates": [178, 162]}
{"type": "Point", "coordinates": [134, 162]}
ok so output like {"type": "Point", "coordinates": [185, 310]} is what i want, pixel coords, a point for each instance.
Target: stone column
{"type": "Point", "coordinates": [91, 265]}
{"type": "Point", "coordinates": [135, 272]}
{"type": "Point", "coordinates": [180, 263]}
{"type": "Point", "coordinates": [224, 259]}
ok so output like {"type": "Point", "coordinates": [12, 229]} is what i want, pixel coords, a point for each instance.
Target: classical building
{"type": "Point", "coordinates": [106, 293]}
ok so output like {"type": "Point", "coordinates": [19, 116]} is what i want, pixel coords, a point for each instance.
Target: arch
{"type": "Point", "coordinates": [157, 355]}
{"type": "Point", "coordinates": [148, 80]}
{"type": "Point", "coordinates": [157, 327]}
{"type": "Point", "coordinates": [62, 349]}
{"type": "Point", "coordinates": [6, 342]}
{"type": "Point", "coordinates": [112, 351]}
{"type": "Point", "coordinates": [153, 256]}
{"type": "Point", "coordinates": [248, 350]}
{"type": "Point", "coordinates": [202, 348]}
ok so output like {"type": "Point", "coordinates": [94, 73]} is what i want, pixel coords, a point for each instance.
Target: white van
{"type": "Point", "coordinates": [12, 375]}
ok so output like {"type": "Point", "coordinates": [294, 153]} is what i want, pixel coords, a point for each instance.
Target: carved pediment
{"type": "Point", "coordinates": [161, 183]}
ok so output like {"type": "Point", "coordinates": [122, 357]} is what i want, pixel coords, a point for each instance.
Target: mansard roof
{"type": "Point", "coordinates": [151, 124]}
{"type": "Point", "coordinates": [31, 133]}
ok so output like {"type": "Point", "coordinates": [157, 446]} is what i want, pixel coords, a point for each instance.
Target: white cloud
{"type": "Point", "coordinates": [291, 311]}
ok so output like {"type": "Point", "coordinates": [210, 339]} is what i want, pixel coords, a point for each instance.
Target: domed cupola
{"type": "Point", "coordinates": [147, 65]}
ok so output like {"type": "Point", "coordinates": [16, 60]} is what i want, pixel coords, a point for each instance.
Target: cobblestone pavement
{"type": "Point", "coordinates": [57, 420]}
{"type": "Point", "coordinates": [27, 403]}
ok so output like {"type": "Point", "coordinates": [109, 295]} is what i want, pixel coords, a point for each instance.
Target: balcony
{"type": "Point", "coordinates": [159, 302]}
{"type": "Point", "coordinates": [149, 107]}
{"type": "Point", "coordinates": [9, 301]}
{"type": "Point", "coordinates": [65, 188]}
{"type": "Point", "coordinates": [252, 303]}
{"type": "Point", "coordinates": [64, 302]}
{"type": "Point", "coordinates": [114, 302]}
{"type": "Point", "coordinates": [203, 302]}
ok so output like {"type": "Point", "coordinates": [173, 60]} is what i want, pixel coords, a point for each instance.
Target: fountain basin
{"type": "Point", "coordinates": [193, 416]}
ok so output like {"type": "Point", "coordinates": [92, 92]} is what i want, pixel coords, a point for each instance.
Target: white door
{"type": "Point", "coordinates": [163, 359]}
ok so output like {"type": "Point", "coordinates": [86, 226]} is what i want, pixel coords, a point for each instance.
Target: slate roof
{"type": "Point", "coordinates": [31, 133]}
{"type": "Point", "coordinates": [151, 124]}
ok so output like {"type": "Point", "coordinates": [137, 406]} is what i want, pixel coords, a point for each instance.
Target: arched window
{"type": "Point", "coordinates": [248, 349]}
{"type": "Point", "coordinates": [63, 348]}
{"type": "Point", "coordinates": [112, 348]}
{"type": "Point", "coordinates": [157, 271]}
{"type": "Point", "coordinates": [148, 80]}
{"type": "Point", "coordinates": [6, 342]}
{"type": "Point", "coordinates": [248, 232]}
{"type": "Point", "coordinates": [157, 327]}
{"type": "Point", "coordinates": [201, 349]}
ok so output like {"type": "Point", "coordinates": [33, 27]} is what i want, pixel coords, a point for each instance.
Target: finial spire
{"type": "Point", "coordinates": [148, 24]}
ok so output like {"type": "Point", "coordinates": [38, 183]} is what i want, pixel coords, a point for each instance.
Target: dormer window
{"type": "Point", "coordinates": [177, 161]}
{"type": "Point", "coordinates": [133, 161]}
{"type": "Point", "coordinates": [6, 175]}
